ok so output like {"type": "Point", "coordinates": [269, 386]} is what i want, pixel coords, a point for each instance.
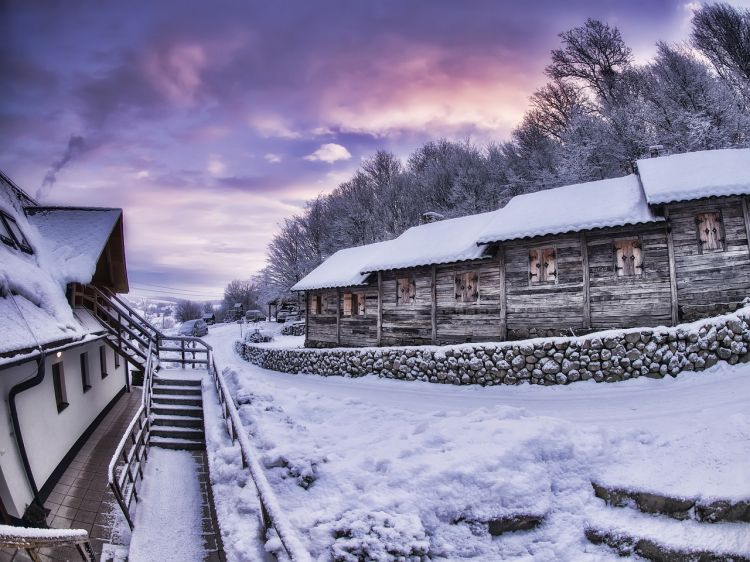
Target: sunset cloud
{"type": "Point", "coordinates": [329, 152]}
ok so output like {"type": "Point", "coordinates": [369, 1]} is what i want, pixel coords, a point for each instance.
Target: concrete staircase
{"type": "Point", "coordinates": [664, 528]}
{"type": "Point", "coordinates": [177, 408]}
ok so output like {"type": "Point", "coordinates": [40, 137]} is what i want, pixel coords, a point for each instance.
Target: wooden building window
{"type": "Point", "coordinates": [117, 360]}
{"type": "Point", "coordinates": [85, 375]}
{"type": "Point", "coordinates": [103, 361]}
{"type": "Point", "coordinates": [58, 381]}
{"type": "Point", "coordinates": [628, 258]}
{"type": "Point", "coordinates": [406, 291]}
{"type": "Point", "coordinates": [542, 266]}
{"type": "Point", "coordinates": [351, 304]}
{"type": "Point", "coordinates": [316, 304]}
{"type": "Point", "coordinates": [11, 234]}
{"type": "Point", "coordinates": [467, 286]}
{"type": "Point", "coordinates": [710, 232]}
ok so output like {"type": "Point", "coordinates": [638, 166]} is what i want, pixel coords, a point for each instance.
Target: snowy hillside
{"type": "Point", "coordinates": [379, 468]}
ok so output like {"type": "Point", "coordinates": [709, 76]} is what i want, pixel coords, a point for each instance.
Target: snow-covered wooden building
{"type": "Point", "coordinates": [665, 245]}
{"type": "Point", "coordinates": [59, 372]}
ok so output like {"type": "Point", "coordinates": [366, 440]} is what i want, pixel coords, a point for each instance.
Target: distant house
{"type": "Point", "coordinates": [665, 245]}
{"type": "Point", "coordinates": [59, 372]}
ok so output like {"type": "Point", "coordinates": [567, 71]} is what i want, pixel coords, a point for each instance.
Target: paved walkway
{"type": "Point", "coordinates": [82, 499]}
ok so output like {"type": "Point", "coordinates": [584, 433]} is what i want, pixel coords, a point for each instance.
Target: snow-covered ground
{"type": "Point", "coordinates": [374, 467]}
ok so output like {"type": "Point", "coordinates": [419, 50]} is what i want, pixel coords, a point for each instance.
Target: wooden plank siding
{"type": "Point", "coordinates": [710, 282]}
{"type": "Point", "coordinates": [544, 309]}
{"type": "Point", "coordinates": [459, 322]}
{"type": "Point", "coordinates": [640, 300]}
{"type": "Point", "coordinates": [588, 292]}
{"type": "Point", "coordinates": [410, 323]}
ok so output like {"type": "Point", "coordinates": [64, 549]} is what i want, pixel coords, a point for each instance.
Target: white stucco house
{"type": "Point", "coordinates": [59, 372]}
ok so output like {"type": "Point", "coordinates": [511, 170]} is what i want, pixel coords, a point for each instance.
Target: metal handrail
{"type": "Point", "coordinates": [32, 539]}
{"type": "Point", "coordinates": [125, 486]}
{"type": "Point", "coordinates": [271, 513]}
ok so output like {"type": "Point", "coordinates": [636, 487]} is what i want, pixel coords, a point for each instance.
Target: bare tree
{"type": "Point", "coordinates": [555, 105]}
{"type": "Point", "coordinates": [187, 310]}
{"type": "Point", "coordinates": [722, 33]}
{"type": "Point", "coordinates": [594, 54]}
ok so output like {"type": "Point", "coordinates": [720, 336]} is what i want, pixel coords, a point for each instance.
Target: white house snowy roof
{"type": "Point", "coordinates": [342, 269]}
{"type": "Point", "coordinates": [75, 237]}
{"type": "Point", "coordinates": [692, 175]}
{"type": "Point", "coordinates": [571, 208]}
{"type": "Point", "coordinates": [444, 241]}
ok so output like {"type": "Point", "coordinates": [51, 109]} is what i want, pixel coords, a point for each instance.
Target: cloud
{"type": "Point", "coordinates": [272, 158]}
{"type": "Point", "coordinates": [216, 165]}
{"type": "Point", "coordinates": [329, 152]}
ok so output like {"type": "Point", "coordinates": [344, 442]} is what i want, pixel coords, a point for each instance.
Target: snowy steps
{"type": "Point", "coordinates": [177, 405]}
{"type": "Point", "coordinates": [664, 528]}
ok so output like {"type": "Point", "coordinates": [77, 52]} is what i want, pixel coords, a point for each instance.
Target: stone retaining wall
{"type": "Point", "coordinates": [605, 356]}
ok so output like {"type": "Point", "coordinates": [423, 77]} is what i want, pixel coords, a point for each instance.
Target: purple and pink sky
{"type": "Point", "coordinates": [209, 122]}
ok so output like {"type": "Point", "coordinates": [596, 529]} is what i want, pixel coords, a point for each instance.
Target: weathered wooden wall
{"type": "Point", "coordinates": [459, 322]}
{"type": "Point", "coordinates": [409, 324]}
{"type": "Point", "coordinates": [542, 310]}
{"type": "Point", "coordinates": [706, 283]}
{"type": "Point", "coordinates": [361, 330]}
{"type": "Point", "coordinates": [641, 300]}
{"type": "Point", "coordinates": [321, 328]}
{"type": "Point", "coordinates": [710, 283]}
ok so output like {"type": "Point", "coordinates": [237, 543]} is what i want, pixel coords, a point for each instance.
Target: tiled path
{"type": "Point", "coordinates": [82, 499]}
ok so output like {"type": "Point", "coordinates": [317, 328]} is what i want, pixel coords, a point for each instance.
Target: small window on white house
{"type": "Point", "coordinates": [467, 286]}
{"type": "Point", "coordinates": [85, 375]}
{"type": "Point", "coordinates": [11, 234]}
{"type": "Point", "coordinates": [58, 381]}
{"type": "Point", "coordinates": [406, 291]}
{"type": "Point", "coordinates": [103, 360]}
{"type": "Point", "coordinates": [117, 359]}
{"type": "Point", "coordinates": [628, 258]}
{"type": "Point", "coordinates": [710, 232]}
{"type": "Point", "coordinates": [542, 266]}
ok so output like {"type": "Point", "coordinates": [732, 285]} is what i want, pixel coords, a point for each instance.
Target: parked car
{"type": "Point", "coordinates": [255, 315]}
{"type": "Point", "coordinates": [287, 315]}
{"type": "Point", "coordinates": [196, 328]}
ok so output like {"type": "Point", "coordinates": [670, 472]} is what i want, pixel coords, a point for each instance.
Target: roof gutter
{"type": "Point", "coordinates": [15, 391]}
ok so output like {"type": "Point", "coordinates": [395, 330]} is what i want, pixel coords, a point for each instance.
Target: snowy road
{"type": "Point", "coordinates": [427, 455]}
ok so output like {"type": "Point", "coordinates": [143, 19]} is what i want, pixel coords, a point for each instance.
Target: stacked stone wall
{"type": "Point", "coordinates": [604, 357]}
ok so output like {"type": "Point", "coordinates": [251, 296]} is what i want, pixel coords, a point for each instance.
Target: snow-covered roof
{"type": "Point", "coordinates": [342, 269]}
{"type": "Point", "coordinates": [75, 237]}
{"type": "Point", "coordinates": [444, 241]}
{"type": "Point", "coordinates": [571, 208]}
{"type": "Point", "coordinates": [693, 175]}
{"type": "Point", "coordinates": [33, 307]}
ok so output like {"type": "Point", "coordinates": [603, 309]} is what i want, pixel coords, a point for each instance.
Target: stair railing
{"type": "Point", "coordinates": [132, 451]}
{"type": "Point", "coordinates": [272, 516]}
{"type": "Point", "coordinates": [32, 540]}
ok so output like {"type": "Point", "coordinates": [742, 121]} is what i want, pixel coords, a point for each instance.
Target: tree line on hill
{"type": "Point", "coordinates": [597, 114]}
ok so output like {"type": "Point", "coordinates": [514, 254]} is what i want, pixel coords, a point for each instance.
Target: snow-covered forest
{"type": "Point", "coordinates": [597, 114]}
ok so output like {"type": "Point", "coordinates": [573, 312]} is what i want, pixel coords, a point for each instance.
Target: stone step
{"type": "Point", "coordinates": [177, 389]}
{"type": "Point", "coordinates": [189, 433]}
{"type": "Point", "coordinates": [177, 410]}
{"type": "Point", "coordinates": [662, 539]}
{"type": "Point", "coordinates": [178, 443]}
{"type": "Point", "coordinates": [176, 399]}
{"type": "Point", "coordinates": [676, 507]}
{"type": "Point", "coordinates": [165, 420]}
{"type": "Point", "coordinates": [164, 380]}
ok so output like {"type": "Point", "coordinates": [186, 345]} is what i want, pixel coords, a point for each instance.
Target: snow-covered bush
{"type": "Point", "coordinates": [256, 336]}
{"type": "Point", "coordinates": [303, 470]}
{"type": "Point", "coordinates": [362, 536]}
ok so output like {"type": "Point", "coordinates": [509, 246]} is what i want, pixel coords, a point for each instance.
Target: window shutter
{"type": "Point", "coordinates": [628, 258]}
{"type": "Point", "coordinates": [348, 304]}
{"type": "Point", "coordinates": [637, 258]}
{"type": "Point", "coordinates": [710, 232]}
{"type": "Point", "coordinates": [412, 290]}
{"type": "Point", "coordinates": [549, 264]}
{"type": "Point", "coordinates": [406, 291]}
{"type": "Point", "coordinates": [535, 266]}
